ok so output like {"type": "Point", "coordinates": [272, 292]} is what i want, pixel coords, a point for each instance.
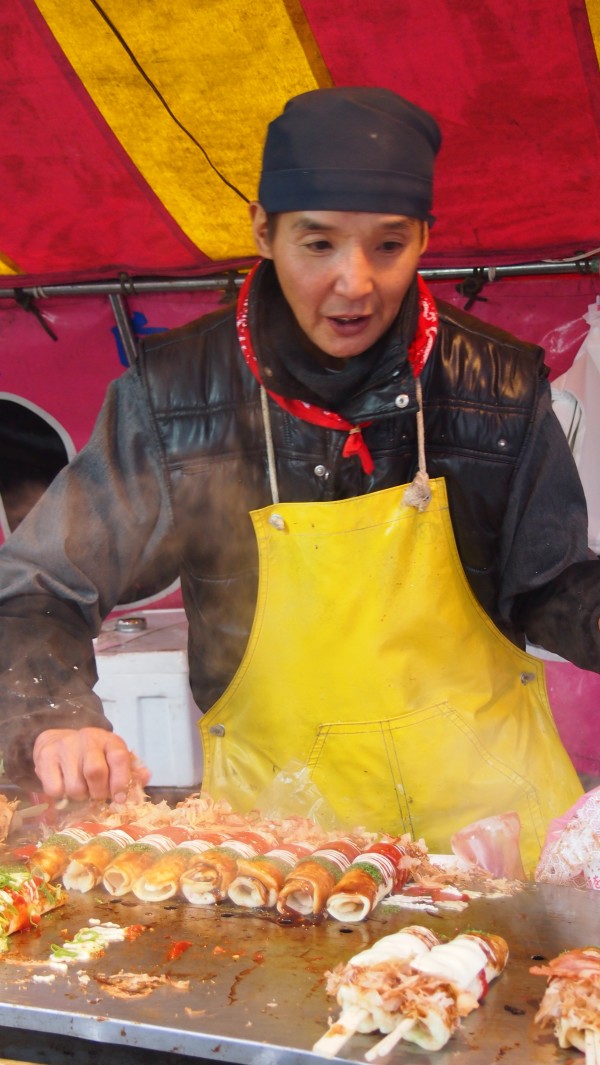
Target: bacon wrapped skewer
{"type": "Point", "coordinates": [210, 878]}
{"type": "Point", "coordinates": [309, 885]}
{"type": "Point", "coordinates": [52, 856]}
{"type": "Point", "coordinates": [87, 863]}
{"type": "Point", "coordinates": [161, 880]}
{"type": "Point", "coordinates": [260, 879]}
{"type": "Point", "coordinates": [370, 877]}
{"type": "Point", "coordinates": [571, 1001]}
{"type": "Point", "coordinates": [124, 870]}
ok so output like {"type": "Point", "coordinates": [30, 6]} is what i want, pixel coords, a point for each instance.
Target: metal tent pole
{"type": "Point", "coordinates": [136, 286]}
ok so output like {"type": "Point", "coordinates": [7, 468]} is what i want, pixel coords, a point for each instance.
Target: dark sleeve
{"type": "Point", "coordinates": [550, 578]}
{"type": "Point", "coordinates": [105, 519]}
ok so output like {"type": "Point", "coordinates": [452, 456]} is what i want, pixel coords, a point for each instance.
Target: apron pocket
{"type": "Point", "coordinates": [426, 772]}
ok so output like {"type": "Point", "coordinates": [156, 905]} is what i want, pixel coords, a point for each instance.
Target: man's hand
{"type": "Point", "coordinates": [86, 763]}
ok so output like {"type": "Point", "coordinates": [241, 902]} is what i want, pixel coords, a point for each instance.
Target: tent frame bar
{"type": "Point", "coordinates": [129, 286]}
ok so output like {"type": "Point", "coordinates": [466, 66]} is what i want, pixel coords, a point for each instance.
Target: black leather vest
{"type": "Point", "coordinates": [480, 389]}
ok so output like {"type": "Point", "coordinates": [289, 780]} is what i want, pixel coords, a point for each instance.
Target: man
{"type": "Point", "coordinates": [292, 423]}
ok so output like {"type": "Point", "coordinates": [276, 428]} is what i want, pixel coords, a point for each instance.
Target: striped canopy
{"type": "Point", "coordinates": [132, 132]}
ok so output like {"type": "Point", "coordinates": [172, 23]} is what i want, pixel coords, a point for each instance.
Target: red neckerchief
{"type": "Point", "coordinates": [418, 353]}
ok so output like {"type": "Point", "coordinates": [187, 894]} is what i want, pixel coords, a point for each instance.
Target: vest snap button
{"type": "Point", "coordinates": [402, 401]}
{"type": "Point", "coordinates": [217, 730]}
{"type": "Point", "coordinates": [502, 442]}
{"type": "Point", "coordinates": [277, 522]}
{"type": "Point", "coordinates": [321, 471]}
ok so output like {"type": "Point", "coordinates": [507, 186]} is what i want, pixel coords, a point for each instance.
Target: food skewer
{"type": "Point", "coordinates": [52, 856]}
{"type": "Point", "coordinates": [390, 954]}
{"type": "Point", "coordinates": [570, 1001]}
{"type": "Point", "coordinates": [419, 996]}
{"type": "Point", "coordinates": [371, 876]}
{"type": "Point", "coordinates": [308, 886]}
{"type": "Point", "coordinates": [122, 873]}
{"type": "Point", "coordinates": [161, 880]}
{"type": "Point", "coordinates": [259, 879]}
{"type": "Point", "coordinates": [455, 976]}
{"type": "Point", "coordinates": [87, 863]}
{"type": "Point", "coordinates": [208, 880]}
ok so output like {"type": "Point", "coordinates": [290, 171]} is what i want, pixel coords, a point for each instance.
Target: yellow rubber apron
{"type": "Point", "coordinates": [371, 663]}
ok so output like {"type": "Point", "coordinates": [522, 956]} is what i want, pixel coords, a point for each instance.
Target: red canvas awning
{"type": "Point", "coordinates": [132, 133]}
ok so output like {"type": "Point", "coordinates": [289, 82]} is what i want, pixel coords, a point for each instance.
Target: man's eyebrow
{"type": "Point", "coordinates": [403, 224]}
{"type": "Point", "coordinates": [306, 224]}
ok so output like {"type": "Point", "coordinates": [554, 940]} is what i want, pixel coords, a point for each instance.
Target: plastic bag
{"type": "Point", "coordinates": [493, 844]}
{"type": "Point", "coordinates": [571, 852]}
{"type": "Point", "coordinates": [292, 793]}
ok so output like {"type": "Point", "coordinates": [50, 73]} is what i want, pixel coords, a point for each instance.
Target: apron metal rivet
{"type": "Point", "coordinates": [217, 730]}
{"type": "Point", "coordinates": [526, 678]}
{"type": "Point", "coordinates": [277, 522]}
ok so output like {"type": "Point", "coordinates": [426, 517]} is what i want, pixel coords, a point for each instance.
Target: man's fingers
{"type": "Point", "coordinates": [85, 763]}
{"type": "Point", "coordinates": [49, 773]}
{"type": "Point", "coordinates": [120, 767]}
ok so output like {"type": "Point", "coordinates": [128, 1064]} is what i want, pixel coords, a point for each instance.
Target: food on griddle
{"type": "Point", "coordinates": [309, 885]}
{"type": "Point", "coordinates": [122, 873]}
{"type": "Point", "coordinates": [260, 879]}
{"type": "Point", "coordinates": [571, 1001]}
{"type": "Point", "coordinates": [24, 899]}
{"type": "Point", "coordinates": [52, 856]}
{"type": "Point", "coordinates": [418, 994]}
{"type": "Point", "coordinates": [369, 878]}
{"type": "Point", "coordinates": [87, 863]}
{"type": "Point", "coordinates": [209, 880]}
{"type": "Point", "coordinates": [7, 809]}
{"type": "Point", "coordinates": [161, 880]}
{"type": "Point", "coordinates": [359, 985]}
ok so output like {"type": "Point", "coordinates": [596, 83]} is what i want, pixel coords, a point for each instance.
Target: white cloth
{"type": "Point", "coordinates": [576, 402]}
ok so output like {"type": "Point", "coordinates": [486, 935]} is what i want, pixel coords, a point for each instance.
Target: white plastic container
{"type": "Point", "coordinates": [143, 684]}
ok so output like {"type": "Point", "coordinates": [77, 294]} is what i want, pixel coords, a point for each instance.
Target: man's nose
{"type": "Point", "coordinates": [354, 276]}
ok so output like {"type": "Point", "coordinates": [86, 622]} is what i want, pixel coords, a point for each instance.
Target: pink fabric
{"type": "Point", "coordinates": [574, 696]}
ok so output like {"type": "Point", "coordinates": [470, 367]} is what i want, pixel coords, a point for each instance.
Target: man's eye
{"type": "Point", "coordinates": [391, 246]}
{"type": "Point", "coordinates": [318, 245]}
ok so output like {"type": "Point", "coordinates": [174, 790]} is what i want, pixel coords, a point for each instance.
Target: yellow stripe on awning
{"type": "Point", "coordinates": [224, 68]}
{"type": "Point", "coordinates": [593, 13]}
{"type": "Point", "coordinates": [7, 266]}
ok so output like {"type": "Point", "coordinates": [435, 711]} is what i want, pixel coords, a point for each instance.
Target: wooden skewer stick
{"type": "Point", "coordinates": [340, 1032]}
{"type": "Point", "coordinates": [592, 1047]}
{"type": "Point", "coordinates": [385, 1045]}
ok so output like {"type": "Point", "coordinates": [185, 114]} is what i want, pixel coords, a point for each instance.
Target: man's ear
{"type": "Point", "coordinates": [260, 229]}
{"type": "Point", "coordinates": [424, 237]}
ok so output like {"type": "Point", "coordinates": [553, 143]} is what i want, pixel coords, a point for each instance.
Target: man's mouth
{"type": "Point", "coordinates": [348, 325]}
{"type": "Point", "coordinates": [347, 319]}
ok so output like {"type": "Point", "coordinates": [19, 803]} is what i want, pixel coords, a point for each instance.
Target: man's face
{"type": "Point", "coordinates": [343, 273]}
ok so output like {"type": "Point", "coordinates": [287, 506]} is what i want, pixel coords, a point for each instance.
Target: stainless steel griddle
{"type": "Point", "coordinates": [256, 986]}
